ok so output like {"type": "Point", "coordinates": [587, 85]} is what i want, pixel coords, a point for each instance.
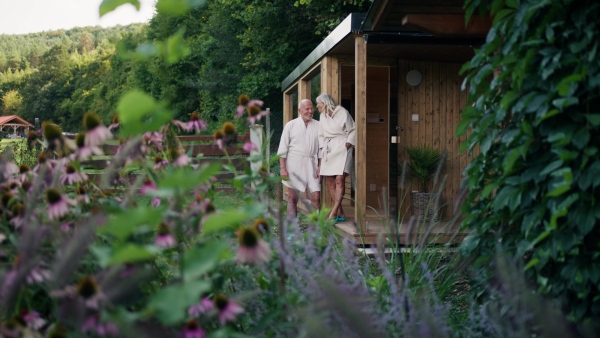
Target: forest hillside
{"type": "Point", "coordinates": [227, 48]}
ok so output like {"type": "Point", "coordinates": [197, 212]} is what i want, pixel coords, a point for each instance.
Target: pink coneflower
{"type": "Point", "coordinates": [83, 151]}
{"type": "Point", "coordinates": [17, 211]}
{"type": "Point", "coordinates": [33, 320]}
{"type": "Point", "coordinates": [192, 330]}
{"type": "Point", "coordinates": [155, 202]}
{"type": "Point", "coordinates": [25, 173]}
{"type": "Point", "coordinates": [58, 204]}
{"type": "Point", "coordinates": [93, 325]}
{"type": "Point", "coordinates": [218, 137]}
{"type": "Point", "coordinates": [89, 290]}
{"type": "Point", "coordinates": [150, 139]}
{"type": "Point", "coordinates": [249, 146]}
{"type": "Point", "coordinates": [71, 176]}
{"type": "Point", "coordinates": [195, 123]}
{"type": "Point", "coordinates": [253, 249]}
{"type": "Point", "coordinates": [228, 309]}
{"type": "Point", "coordinates": [96, 134]}
{"type": "Point", "coordinates": [164, 238]}
{"type": "Point", "coordinates": [115, 122]}
{"type": "Point", "coordinates": [159, 163]}
{"type": "Point", "coordinates": [82, 196]}
{"type": "Point", "coordinates": [204, 306]}
{"type": "Point", "coordinates": [255, 113]}
{"type": "Point", "coordinates": [179, 160]}
{"type": "Point", "coordinates": [245, 102]}
{"type": "Point", "coordinates": [148, 185]}
{"type": "Point", "coordinates": [38, 275]}
{"type": "Point", "coordinates": [9, 169]}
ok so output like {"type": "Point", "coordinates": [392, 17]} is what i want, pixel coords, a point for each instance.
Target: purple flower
{"type": "Point", "coordinates": [58, 204]}
{"type": "Point", "coordinates": [94, 326]}
{"type": "Point", "coordinates": [192, 330]}
{"type": "Point", "coordinates": [182, 160]}
{"type": "Point", "coordinates": [151, 139]}
{"type": "Point", "coordinates": [204, 306]}
{"type": "Point", "coordinates": [38, 275]}
{"type": "Point", "coordinates": [148, 185]}
{"type": "Point", "coordinates": [249, 146]}
{"type": "Point", "coordinates": [253, 249]}
{"type": "Point", "coordinates": [155, 202]}
{"type": "Point", "coordinates": [9, 169]}
{"type": "Point", "coordinates": [71, 175]}
{"type": "Point", "coordinates": [96, 133]}
{"type": "Point", "coordinates": [83, 151]}
{"type": "Point", "coordinates": [97, 136]}
{"type": "Point", "coordinates": [228, 309]}
{"type": "Point", "coordinates": [195, 123]}
{"type": "Point", "coordinates": [255, 113]}
{"type": "Point", "coordinates": [164, 238]}
{"type": "Point", "coordinates": [33, 320]}
{"type": "Point", "coordinates": [245, 102]}
{"type": "Point", "coordinates": [160, 163]}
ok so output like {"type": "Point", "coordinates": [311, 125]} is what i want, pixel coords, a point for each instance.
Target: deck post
{"type": "Point", "coordinates": [360, 155]}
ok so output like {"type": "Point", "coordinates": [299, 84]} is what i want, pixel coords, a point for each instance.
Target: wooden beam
{"type": "Point", "coordinates": [360, 155]}
{"type": "Point", "coordinates": [288, 107]}
{"type": "Point", "coordinates": [448, 25]}
{"type": "Point", "coordinates": [382, 12]}
{"type": "Point", "coordinates": [303, 90]}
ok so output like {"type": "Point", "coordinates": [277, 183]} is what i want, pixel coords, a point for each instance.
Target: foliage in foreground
{"type": "Point", "coordinates": [534, 97]}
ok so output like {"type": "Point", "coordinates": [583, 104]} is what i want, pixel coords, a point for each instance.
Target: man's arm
{"type": "Point", "coordinates": [283, 171]}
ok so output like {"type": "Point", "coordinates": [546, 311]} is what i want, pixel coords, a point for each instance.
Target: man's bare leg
{"type": "Point", "coordinates": [315, 199]}
{"type": "Point", "coordinates": [292, 204]}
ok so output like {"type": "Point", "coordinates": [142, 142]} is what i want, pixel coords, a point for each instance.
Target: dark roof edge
{"type": "Point", "coordinates": [351, 24]}
{"type": "Point", "coordinates": [368, 20]}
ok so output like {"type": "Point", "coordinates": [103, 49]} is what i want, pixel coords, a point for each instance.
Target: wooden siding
{"type": "Point", "coordinates": [438, 101]}
{"type": "Point", "coordinates": [377, 134]}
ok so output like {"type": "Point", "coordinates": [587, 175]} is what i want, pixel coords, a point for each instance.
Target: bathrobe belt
{"type": "Point", "coordinates": [327, 149]}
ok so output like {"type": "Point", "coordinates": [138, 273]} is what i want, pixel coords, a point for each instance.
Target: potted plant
{"type": "Point", "coordinates": [423, 165]}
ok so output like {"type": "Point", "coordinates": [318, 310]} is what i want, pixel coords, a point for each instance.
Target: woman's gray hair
{"type": "Point", "coordinates": [327, 101]}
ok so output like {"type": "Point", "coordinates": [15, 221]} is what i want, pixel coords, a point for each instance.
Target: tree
{"type": "Point", "coordinates": [11, 102]}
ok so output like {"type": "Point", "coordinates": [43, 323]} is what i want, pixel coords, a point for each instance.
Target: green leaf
{"type": "Point", "coordinates": [462, 127]}
{"type": "Point", "coordinates": [184, 179]}
{"type": "Point", "coordinates": [172, 7]}
{"type": "Point", "coordinates": [531, 263]}
{"type": "Point", "coordinates": [510, 160]}
{"type": "Point", "coordinates": [594, 119]}
{"type": "Point", "coordinates": [139, 113]}
{"type": "Point", "coordinates": [171, 303]}
{"type": "Point", "coordinates": [123, 224]}
{"type": "Point", "coordinates": [131, 253]}
{"type": "Point", "coordinates": [199, 261]}
{"type": "Point", "coordinates": [110, 5]}
{"type": "Point", "coordinates": [488, 189]}
{"type": "Point", "coordinates": [558, 189]}
{"type": "Point", "coordinates": [226, 220]}
{"type": "Point", "coordinates": [175, 48]}
{"type": "Point", "coordinates": [508, 99]}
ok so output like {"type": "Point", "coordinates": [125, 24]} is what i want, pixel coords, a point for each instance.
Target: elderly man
{"type": "Point", "coordinates": [299, 157]}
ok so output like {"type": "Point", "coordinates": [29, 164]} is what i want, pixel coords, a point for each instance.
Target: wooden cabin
{"type": "Point", "coordinates": [396, 70]}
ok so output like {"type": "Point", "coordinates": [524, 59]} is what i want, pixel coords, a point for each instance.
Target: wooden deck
{"type": "Point", "coordinates": [379, 229]}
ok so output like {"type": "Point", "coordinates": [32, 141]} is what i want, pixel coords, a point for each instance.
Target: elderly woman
{"type": "Point", "coordinates": [337, 138]}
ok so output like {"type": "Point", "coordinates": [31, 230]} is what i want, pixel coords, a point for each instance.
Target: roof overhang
{"type": "Point", "coordinates": [350, 25]}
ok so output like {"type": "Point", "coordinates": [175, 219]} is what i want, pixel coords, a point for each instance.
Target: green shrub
{"type": "Point", "coordinates": [533, 112]}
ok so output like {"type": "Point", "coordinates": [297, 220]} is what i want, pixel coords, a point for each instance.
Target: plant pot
{"type": "Point", "coordinates": [426, 205]}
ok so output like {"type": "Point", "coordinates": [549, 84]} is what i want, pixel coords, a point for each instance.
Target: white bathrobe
{"type": "Point", "coordinates": [335, 131]}
{"type": "Point", "coordinates": [299, 144]}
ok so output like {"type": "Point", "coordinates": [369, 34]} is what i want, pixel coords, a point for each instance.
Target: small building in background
{"type": "Point", "coordinates": [13, 126]}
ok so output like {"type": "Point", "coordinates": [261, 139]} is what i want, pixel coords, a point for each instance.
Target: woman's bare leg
{"type": "Point", "coordinates": [340, 185]}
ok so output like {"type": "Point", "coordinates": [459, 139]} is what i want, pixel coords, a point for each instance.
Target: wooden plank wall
{"type": "Point", "coordinates": [377, 138]}
{"type": "Point", "coordinates": [438, 101]}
